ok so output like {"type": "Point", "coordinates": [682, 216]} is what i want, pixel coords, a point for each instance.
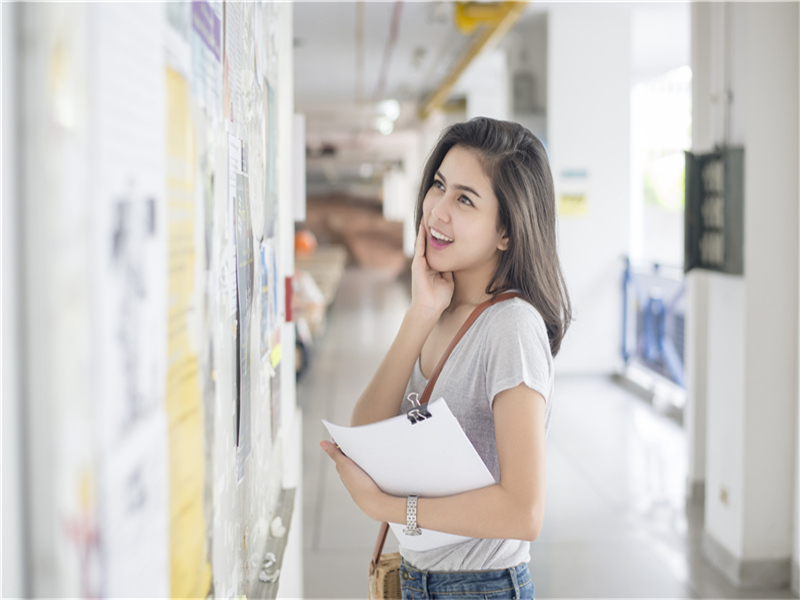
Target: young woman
{"type": "Point", "coordinates": [486, 224]}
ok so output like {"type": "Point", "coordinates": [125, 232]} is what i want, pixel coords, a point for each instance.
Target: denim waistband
{"type": "Point", "coordinates": [506, 581]}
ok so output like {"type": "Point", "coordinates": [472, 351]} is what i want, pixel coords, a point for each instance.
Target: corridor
{"type": "Point", "coordinates": [615, 522]}
{"type": "Point", "coordinates": [191, 163]}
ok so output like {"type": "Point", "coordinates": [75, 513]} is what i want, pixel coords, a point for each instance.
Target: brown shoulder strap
{"type": "Point", "coordinates": [376, 553]}
{"type": "Point", "coordinates": [426, 395]}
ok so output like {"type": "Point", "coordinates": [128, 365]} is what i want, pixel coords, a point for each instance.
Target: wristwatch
{"type": "Point", "coordinates": [411, 517]}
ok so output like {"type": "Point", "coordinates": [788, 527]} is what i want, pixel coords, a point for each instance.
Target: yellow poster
{"type": "Point", "coordinates": [190, 571]}
{"type": "Point", "coordinates": [572, 187]}
{"type": "Point", "coordinates": [572, 205]}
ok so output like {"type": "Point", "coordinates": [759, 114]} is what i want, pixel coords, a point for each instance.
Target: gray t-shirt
{"type": "Point", "coordinates": [507, 345]}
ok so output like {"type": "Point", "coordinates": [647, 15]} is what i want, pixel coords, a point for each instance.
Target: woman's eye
{"type": "Point", "coordinates": [465, 200]}
{"type": "Point", "coordinates": [438, 184]}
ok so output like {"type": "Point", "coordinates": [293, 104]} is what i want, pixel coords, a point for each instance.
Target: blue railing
{"type": "Point", "coordinates": [653, 319]}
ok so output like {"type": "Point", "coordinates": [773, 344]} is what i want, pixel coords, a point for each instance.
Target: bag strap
{"type": "Point", "coordinates": [426, 395]}
{"type": "Point", "coordinates": [376, 553]}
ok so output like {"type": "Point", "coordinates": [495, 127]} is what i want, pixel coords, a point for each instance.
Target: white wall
{"type": "Point", "coordinates": [696, 328]}
{"type": "Point", "coordinates": [696, 365]}
{"type": "Point", "coordinates": [771, 247]}
{"type": "Point", "coordinates": [661, 33]}
{"type": "Point", "coordinates": [752, 327]}
{"type": "Point", "coordinates": [726, 399]}
{"type": "Point", "coordinates": [588, 125]}
{"type": "Point", "coordinates": [13, 549]}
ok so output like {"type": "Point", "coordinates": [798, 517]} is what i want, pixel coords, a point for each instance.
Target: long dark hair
{"type": "Point", "coordinates": [516, 163]}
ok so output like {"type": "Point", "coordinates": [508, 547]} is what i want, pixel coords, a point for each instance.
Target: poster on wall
{"type": "Point", "coordinates": [272, 21]}
{"type": "Point", "coordinates": [274, 308]}
{"type": "Point", "coordinates": [244, 278]}
{"type": "Point", "coordinates": [573, 193]}
{"type": "Point", "coordinates": [271, 306]}
{"type": "Point", "coordinates": [270, 188]}
{"type": "Point", "coordinates": [190, 567]}
{"type": "Point", "coordinates": [206, 46]}
{"type": "Point", "coordinates": [275, 338]}
{"type": "Point", "coordinates": [259, 41]}
{"type": "Point", "coordinates": [134, 492]}
{"type": "Point", "coordinates": [276, 403]}
{"type": "Point", "coordinates": [176, 39]}
{"type": "Point", "coordinates": [264, 330]}
{"type": "Point", "coordinates": [271, 219]}
{"type": "Point", "coordinates": [229, 274]}
{"type": "Point", "coordinates": [228, 267]}
{"type": "Point", "coordinates": [238, 42]}
{"type": "Point", "coordinates": [130, 296]}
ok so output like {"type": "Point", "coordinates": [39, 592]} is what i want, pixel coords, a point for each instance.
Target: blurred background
{"type": "Point", "coordinates": [207, 224]}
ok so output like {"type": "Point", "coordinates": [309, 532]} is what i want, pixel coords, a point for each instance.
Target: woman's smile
{"type": "Point", "coordinates": [438, 240]}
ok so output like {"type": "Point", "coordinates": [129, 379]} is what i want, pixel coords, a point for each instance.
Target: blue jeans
{"type": "Point", "coordinates": [510, 583]}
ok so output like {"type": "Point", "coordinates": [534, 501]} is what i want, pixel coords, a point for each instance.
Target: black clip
{"type": "Point", "coordinates": [418, 412]}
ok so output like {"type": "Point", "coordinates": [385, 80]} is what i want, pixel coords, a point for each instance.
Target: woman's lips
{"type": "Point", "coordinates": [438, 244]}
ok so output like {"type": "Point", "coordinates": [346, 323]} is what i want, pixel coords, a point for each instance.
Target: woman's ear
{"type": "Point", "coordinates": [503, 245]}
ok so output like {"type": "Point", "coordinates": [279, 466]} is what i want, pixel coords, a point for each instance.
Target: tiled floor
{"type": "Point", "coordinates": [615, 526]}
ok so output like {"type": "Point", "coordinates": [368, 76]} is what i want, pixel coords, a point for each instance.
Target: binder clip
{"type": "Point", "coordinates": [418, 412]}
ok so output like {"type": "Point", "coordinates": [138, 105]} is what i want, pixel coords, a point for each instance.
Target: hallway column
{"type": "Point", "coordinates": [695, 422]}
{"type": "Point", "coordinates": [486, 86]}
{"type": "Point", "coordinates": [695, 414]}
{"type": "Point", "coordinates": [589, 145]}
{"type": "Point", "coordinates": [751, 51]}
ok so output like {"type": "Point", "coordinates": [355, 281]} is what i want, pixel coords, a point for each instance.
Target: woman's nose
{"type": "Point", "coordinates": [439, 210]}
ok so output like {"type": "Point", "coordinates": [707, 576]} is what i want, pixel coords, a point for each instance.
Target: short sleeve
{"type": "Point", "coordinates": [518, 351]}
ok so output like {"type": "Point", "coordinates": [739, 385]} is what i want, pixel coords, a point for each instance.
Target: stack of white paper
{"type": "Point", "coordinates": [431, 458]}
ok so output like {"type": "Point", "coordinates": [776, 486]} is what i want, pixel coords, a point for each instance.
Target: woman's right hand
{"type": "Point", "coordinates": [431, 291]}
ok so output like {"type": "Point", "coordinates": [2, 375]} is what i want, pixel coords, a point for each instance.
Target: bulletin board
{"type": "Point", "coordinates": [171, 470]}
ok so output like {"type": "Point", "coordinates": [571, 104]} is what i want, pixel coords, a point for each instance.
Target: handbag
{"type": "Point", "coordinates": [384, 568]}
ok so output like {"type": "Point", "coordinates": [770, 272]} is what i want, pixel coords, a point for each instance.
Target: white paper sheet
{"type": "Point", "coordinates": [432, 458]}
{"type": "Point", "coordinates": [131, 294]}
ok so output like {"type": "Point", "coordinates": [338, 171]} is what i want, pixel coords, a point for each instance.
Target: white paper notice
{"type": "Point", "coordinates": [234, 170]}
{"type": "Point", "coordinates": [129, 213]}
{"type": "Point", "coordinates": [431, 458]}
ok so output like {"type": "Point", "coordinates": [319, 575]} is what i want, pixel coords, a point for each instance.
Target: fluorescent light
{"type": "Point", "coordinates": [390, 108]}
{"type": "Point", "coordinates": [385, 126]}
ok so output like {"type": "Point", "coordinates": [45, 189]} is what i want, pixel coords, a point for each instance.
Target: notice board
{"type": "Point", "coordinates": [158, 415]}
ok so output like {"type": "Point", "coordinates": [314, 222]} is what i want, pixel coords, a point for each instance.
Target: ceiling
{"type": "Point", "coordinates": [350, 55]}
{"type": "Point", "coordinates": [363, 67]}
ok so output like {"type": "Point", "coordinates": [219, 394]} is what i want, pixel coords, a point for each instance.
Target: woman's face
{"type": "Point", "coordinates": [459, 212]}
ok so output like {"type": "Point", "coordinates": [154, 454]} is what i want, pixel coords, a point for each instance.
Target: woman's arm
{"type": "Point", "coordinates": [511, 509]}
{"type": "Point", "coordinates": [382, 397]}
{"type": "Point", "coordinates": [430, 295]}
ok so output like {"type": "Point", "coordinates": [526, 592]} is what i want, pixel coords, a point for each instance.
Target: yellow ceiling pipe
{"type": "Point", "coordinates": [469, 15]}
{"type": "Point", "coordinates": [494, 19]}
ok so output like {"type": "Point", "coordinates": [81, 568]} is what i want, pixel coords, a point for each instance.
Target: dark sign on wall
{"type": "Point", "coordinates": [714, 217]}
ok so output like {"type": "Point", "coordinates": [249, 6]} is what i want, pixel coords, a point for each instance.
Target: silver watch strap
{"type": "Point", "coordinates": [411, 517]}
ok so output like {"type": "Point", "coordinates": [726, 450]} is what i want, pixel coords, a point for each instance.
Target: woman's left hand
{"type": "Point", "coordinates": [365, 492]}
